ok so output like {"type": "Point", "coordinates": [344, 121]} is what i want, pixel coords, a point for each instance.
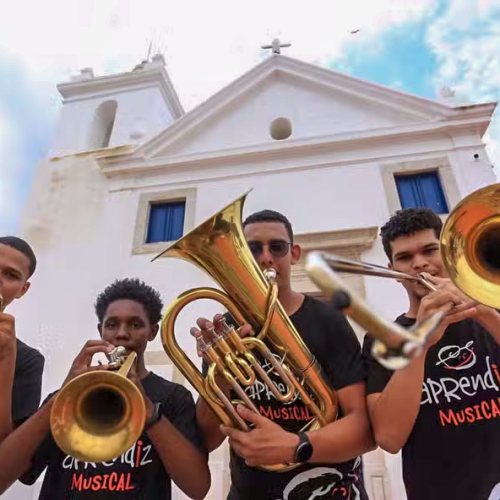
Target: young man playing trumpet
{"type": "Point", "coordinates": [170, 447]}
{"type": "Point", "coordinates": [21, 366]}
{"type": "Point", "coordinates": [328, 459]}
{"type": "Point", "coordinates": [443, 409]}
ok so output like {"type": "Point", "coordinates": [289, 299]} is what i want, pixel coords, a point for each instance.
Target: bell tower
{"type": "Point", "coordinates": [115, 110]}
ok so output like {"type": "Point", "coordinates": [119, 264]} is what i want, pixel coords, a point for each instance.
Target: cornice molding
{"type": "Point", "coordinates": [135, 164]}
{"type": "Point", "coordinates": [349, 243]}
{"type": "Point", "coordinates": [106, 85]}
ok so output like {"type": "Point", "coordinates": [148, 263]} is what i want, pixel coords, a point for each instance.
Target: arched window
{"type": "Point", "coordinates": [102, 125]}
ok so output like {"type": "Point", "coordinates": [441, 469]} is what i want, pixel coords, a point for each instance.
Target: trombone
{"type": "Point", "coordinates": [99, 415]}
{"type": "Point", "coordinates": [470, 248]}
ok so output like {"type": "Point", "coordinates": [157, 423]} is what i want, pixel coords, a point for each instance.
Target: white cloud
{"type": "Point", "coordinates": [466, 41]}
{"type": "Point", "coordinates": [206, 44]}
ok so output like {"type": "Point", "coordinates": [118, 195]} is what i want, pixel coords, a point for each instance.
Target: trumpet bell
{"type": "Point", "coordinates": [470, 245]}
{"type": "Point", "coordinates": [97, 416]}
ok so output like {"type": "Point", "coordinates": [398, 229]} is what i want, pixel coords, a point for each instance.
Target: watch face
{"type": "Point", "coordinates": [304, 452]}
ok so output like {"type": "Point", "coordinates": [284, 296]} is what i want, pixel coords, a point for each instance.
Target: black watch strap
{"type": "Point", "coordinates": [304, 450]}
{"type": "Point", "coordinates": [157, 413]}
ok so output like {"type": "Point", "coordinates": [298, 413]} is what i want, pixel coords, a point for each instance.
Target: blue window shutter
{"type": "Point", "coordinates": [166, 221]}
{"type": "Point", "coordinates": [422, 190]}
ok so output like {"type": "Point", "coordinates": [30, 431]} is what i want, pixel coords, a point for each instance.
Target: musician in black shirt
{"type": "Point", "coordinates": [332, 467]}
{"type": "Point", "coordinates": [443, 409]}
{"type": "Point", "coordinates": [21, 366]}
{"type": "Point", "coordinates": [170, 447]}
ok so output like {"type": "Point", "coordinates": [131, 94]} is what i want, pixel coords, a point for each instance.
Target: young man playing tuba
{"type": "Point", "coordinates": [329, 458]}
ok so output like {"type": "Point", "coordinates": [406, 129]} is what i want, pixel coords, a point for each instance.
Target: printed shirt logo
{"type": "Point", "coordinates": [454, 357]}
{"type": "Point", "coordinates": [102, 477]}
{"type": "Point", "coordinates": [322, 482]}
{"type": "Point", "coordinates": [468, 390]}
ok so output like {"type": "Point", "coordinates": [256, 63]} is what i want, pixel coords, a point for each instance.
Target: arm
{"type": "Point", "coordinates": [339, 441]}
{"type": "Point", "coordinates": [186, 465]}
{"type": "Point", "coordinates": [393, 411]}
{"type": "Point", "coordinates": [209, 424]}
{"type": "Point", "coordinates": [394, 397]}
{"type": "Point", "coordinates": [8, 354]}
{"type": "Point", "coordinates": [490, 320]}
{"type": "Point", "coordinates": [17, 451]}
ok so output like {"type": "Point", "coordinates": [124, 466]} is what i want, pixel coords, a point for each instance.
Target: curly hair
{"type": "Point", "coordinates": [130, 289]}
{"type": "Point", "coordinates": [270, 216]}
{"type": "Point", "coordinates": [406, 222]}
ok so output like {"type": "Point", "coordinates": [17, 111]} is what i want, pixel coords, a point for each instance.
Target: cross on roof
{"type": "Point", "coordinates": [276, 46]}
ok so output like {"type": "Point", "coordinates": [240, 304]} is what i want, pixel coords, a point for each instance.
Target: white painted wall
{"type": "Point", "coordinates": [81, 224]}
{"type": "Point", "coordinates": [141, 110]}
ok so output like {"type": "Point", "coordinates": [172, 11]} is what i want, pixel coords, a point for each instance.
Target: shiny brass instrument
{"type": "Point", "coordinates": [218, 247]}
{"type": "Point", "coordinates": [470, 248]}
{"type": "Point", "coordinates": [100, 414]}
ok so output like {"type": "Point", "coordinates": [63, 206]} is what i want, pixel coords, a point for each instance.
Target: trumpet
{"type": "Point", "coordinates": [99, 415]}
{"type": "Point", "coordinates": [218, 247]}
{"type": "Point", "coordinates": [470, 248]}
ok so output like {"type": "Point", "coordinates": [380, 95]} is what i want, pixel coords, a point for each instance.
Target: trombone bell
{"type": "Point", "coordinates": [470, 245]}
{"type": "Point", "coordinates": [98, 415]}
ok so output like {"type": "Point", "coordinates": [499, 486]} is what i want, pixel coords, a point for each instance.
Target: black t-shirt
{"type": "Point", "coordinates": [332, 341]}
{"type": "Point", "coordinates": [27, 388]}
{"type": "Point", "coordinates": [138, 474]}
{"type": "Point", "coordinates": [454, 448]}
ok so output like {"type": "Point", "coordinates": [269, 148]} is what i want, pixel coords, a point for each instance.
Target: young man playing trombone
{"type": "Point", "coordinates": [328, 459]}
{"type": "Point", "coordinates": [170, 447]}
{"type": "Point", "coordinates": [21, 366]}
{"type": "Point", "coordinates": [443, 409]}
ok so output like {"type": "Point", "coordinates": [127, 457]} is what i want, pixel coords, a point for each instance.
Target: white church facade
{"type": "Point", "coordinates": [335, 154]}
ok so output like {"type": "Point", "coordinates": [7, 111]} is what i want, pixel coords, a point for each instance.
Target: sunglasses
{"type": "Point", "coordinates": [277, 248]}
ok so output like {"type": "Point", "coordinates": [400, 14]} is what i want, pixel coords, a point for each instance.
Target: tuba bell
{"type": "Point", "coordinates": [100, 414]}
{"type": "Point", "coordinates": [470, 249]}
{"type": "Point", "coordinates": [218, 247]}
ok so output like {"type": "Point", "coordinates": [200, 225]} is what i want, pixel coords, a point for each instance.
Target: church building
{"type": "Point", "coordinates": [129, 170]}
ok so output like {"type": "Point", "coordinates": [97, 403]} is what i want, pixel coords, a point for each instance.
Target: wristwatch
{"type": "Point", "coordinates": [304, 450]}
{"type": "Point", "coordinates": [157, 413]}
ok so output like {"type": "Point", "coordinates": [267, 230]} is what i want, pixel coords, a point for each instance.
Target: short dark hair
{"type": "Point", "coordinates": [270, 216]}
{"type": "Point", "coordinates": [406, 222]}
{"type": "Point", "coordinates": [21, 246]}
{"type": "Point", "coordinates": [130, 289]}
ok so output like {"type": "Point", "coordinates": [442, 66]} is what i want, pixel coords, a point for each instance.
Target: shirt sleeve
{"type": "Point", "coordinates": [340, 355]}
{"type": "Point", "coordinates": [181, 412]}
{"type": "Point", "coordinates": [377, 375]}
{"type": "Point", "coordinates": [27, 389]}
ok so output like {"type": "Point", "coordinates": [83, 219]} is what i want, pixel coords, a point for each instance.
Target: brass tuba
{"type": "Point", "coordinates": [470, 248]}
{"type": "Point", "coordinates": [100, 414]}
{"type": "Point", "coordinates": [218, 247]}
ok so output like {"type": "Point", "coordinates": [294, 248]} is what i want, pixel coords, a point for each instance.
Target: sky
{"type": "Point", "coordinates": [417, 46]}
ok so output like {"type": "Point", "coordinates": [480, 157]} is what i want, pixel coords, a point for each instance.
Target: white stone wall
{"type": "Point", "coordinates": [82, 225]}
{"type": "Point", "coordinates": [141, 111]}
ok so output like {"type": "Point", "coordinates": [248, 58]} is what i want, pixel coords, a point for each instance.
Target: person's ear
{"type": "Point", "coordinates": [296, 252]}
{"type": "Point", "coordinates": [153, 332]}
{"type": "Point", "coordinates": [23, 290]}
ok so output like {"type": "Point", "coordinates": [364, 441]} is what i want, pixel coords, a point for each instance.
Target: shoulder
{"type": "Point", "coordinates": [28, 356]}
{"type": "Point", "coordinates": [165, 390]}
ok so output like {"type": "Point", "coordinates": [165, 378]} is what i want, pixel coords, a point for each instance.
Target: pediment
{"type": "Point", "coordinates": [317, 103]}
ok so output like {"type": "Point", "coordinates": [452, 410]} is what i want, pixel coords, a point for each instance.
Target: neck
{"type": "Point", "coordinates": [290, 300]}
{"type": "Point", "coordinates": [414, 305]}
{"type": "Point", "coordinates": [142, 371]}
